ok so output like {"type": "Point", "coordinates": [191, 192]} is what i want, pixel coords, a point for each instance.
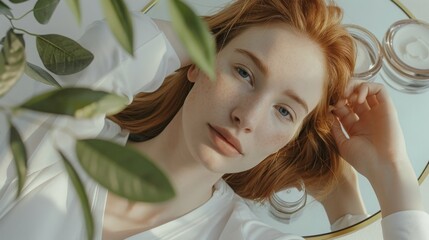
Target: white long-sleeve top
{"type": "Point", "coordinates": [49, 207]}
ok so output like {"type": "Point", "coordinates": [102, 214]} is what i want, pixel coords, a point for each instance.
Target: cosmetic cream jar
{"type": "Point", "coordinates": [406, 61]}
{"type": "Point", "coordinates": [287, 203]}
{"type": "Point", "coordinates": [368, 53]}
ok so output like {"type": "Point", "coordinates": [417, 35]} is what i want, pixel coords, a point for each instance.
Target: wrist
{"type": "Point", "coordinates": [397, 188]}
{"type": "Point", "coordinates": [344, 199]}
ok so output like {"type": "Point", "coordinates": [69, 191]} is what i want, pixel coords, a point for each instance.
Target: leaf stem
{"type": "Point", "coordinates": [19, 18]}
{"type": "Point", "coordinates": [149, 6]}
{"type": "Point", "coordinates": [22, 30]}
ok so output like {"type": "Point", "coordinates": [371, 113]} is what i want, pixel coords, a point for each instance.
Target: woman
{"type": "Point", "coordinates": [264, 122]}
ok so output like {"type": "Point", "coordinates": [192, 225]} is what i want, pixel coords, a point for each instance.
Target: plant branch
{"type": "Point", "coordinates": [19, 18]}
{"type": "Point", "coordinates": [22, 30]}
{"type": "Point", "coordinates": [149, 6]}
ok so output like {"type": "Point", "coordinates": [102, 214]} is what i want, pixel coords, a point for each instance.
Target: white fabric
{"type": "Point", "coordinates": [406, 225]}
{"type": "Point", "coordinates": [49, 208]}
{"type": "Point", "coordinates": [347, 220]}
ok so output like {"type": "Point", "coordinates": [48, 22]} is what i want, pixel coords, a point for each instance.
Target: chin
{"type": "Point", "coordinates": [214, 162]}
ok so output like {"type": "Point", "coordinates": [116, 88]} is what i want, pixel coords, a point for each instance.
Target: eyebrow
{"type": "Point", "coordinates": [262, 67]}
{"type": "Point", "coordinates": [297, 99]}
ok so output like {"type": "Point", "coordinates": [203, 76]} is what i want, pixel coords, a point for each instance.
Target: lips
{"type": "Point", "coordinates": [228, 138]}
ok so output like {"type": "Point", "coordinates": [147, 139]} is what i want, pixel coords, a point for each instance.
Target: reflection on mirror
{"type": "Point", "coordinates": [281, 143]}
{"type": "Point", "coordinates": [286, 204]}
{"type": "Point", "coordinates": [406, 45]}
{"type": "Point", "coordinates": [368, 53]}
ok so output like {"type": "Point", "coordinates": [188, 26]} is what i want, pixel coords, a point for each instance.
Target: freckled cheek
{"type": "Point", "coordinates": [278, 140]}
{"type": "Point", "coordinates": [224, 89]}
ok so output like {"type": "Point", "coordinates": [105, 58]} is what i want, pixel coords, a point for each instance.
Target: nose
{"type": "Point", "coordinates": [247, 114]}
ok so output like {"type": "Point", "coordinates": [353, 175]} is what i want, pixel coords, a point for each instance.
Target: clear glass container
{"type": "Point", "coordinates": [406, 61]}
{"type": "Point", "coordinates": [288, 203]}
{"type": "Point", "coordinates": [369, 54]}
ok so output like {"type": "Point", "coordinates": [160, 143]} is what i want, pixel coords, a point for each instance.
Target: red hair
{"type": "Point", "coordinates": [312, 155]}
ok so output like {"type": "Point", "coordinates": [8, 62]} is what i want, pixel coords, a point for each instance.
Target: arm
{"type": "Point", "coordinates": [376, 149]}
{"type": "Point", "coordinates": [371, 121]}
{"type": "Point", "coordinates": [345, 198]}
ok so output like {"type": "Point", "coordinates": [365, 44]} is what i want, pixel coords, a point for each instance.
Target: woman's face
{"type": "Point", "coordinates": [269, 78]}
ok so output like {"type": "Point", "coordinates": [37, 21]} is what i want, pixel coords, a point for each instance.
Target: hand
{"type": "Point", "coordinates": [370, 119]}
{"type": "Point", "coordinates": [376, 146]}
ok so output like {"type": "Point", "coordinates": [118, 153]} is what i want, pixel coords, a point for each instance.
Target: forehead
{"type": "Point", "coordinates": [292, 59]}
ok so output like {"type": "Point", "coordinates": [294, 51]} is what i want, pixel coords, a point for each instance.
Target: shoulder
{"type": "Point", "coordinates": [243, 224]}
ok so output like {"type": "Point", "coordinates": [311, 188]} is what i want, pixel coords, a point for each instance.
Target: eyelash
{"type": "Point", "coordinates": [289, 113]}
{"type": "Point", "coordinates": [241, 70]}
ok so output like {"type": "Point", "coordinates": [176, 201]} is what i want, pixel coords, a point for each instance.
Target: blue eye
{"type": "Point", "coordinates": [244, 74]}
{"type": "Point", "coordinates": [284, 112]}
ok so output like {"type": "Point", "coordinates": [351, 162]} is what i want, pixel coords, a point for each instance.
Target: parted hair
{"type": "Point", "coordinates": [312, 155]}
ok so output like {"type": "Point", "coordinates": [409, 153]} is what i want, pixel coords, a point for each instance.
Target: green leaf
{"type": "Point", "coordinates": [18, 1]}
{"type": "Point", "coordinates": [77, 102]}
{"type": "Point", "coordinates": [20, 156]}
{"type": "Point", "coordinates": [44, 9]}
{"type": "Point", "coordinates": [5, 10]}
{"type": "Point", "coordinates": [149, 6]}
{"type": "Point", "coordinates": [12, 61]}
{"type": "Point", "coordinates": [39, 74]}
{"type": "Point", "coordinates": [75, 7]}
{"type": "Point", "coordinates": [119, 21]}
{"type": "Point", "coordinates": [80, 190]}
{"type": "Point", "coordinates": [62, 55]}
{"type": "Point", "coordinates": [195, 36]}
{"type": "Point", "coordinates": [124, 171]}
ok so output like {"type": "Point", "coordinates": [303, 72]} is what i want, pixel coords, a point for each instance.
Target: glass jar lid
{"type": "Point", "coordinates": [287, 202]}
{"type": "Point", "coordinates": [368, 53]}
{"type": "Point", "coordinates": [406, 50]}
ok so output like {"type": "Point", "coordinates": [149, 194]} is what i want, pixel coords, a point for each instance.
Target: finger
{"type": "Point", "coordinates": [353, 98]}
{"type": "Point", "coordinates": [364, 89]}
{"type": "Point", "coordinates": [342, 110]}
{"type": "Point", "coordinates": [382, 95]}
{"type": "Point", "coordinates": [349, 120]}
{"type": "Point", "coordinates": [368, 89]}
{"type": "Point", "coordinates": [360, 109]}
{"type": "Point", "coordinates": [363, 92]}
{"type": "Point", "coordinates": [372, 101]}
{"type": "Point", "coordinates": [346, 116]}
{"type": "Point", "coordinates": [338, 134]}
{"type": "Point", "coordinates": [352, 86]}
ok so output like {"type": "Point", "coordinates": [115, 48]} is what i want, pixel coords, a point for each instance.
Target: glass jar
{"type": "Point", "coordinates": [368, 53]}
{"type": "Point", "coordinates": [406, 51]}
{"type": "Point", "coordinates": [288, 203]}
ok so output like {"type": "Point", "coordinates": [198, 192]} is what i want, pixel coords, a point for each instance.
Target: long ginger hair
{"type": "Point", "coordinates": [312, 156]}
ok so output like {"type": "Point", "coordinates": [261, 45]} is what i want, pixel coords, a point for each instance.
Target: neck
{"type": "Point", "coordinates": [192, 183]}
{"type": "Point", "coordinates": [189, 177]}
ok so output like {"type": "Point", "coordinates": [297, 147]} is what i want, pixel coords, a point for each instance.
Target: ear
{"type": "Point", "coordinates": [193, 73]}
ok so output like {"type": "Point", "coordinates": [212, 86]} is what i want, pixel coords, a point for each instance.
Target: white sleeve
{"type": "Point", "coordinates": [347, 221]}
{"type": "Point", "coordinates": [114, 70]}
{"type": "Point", "coordinates": [406, 225]}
